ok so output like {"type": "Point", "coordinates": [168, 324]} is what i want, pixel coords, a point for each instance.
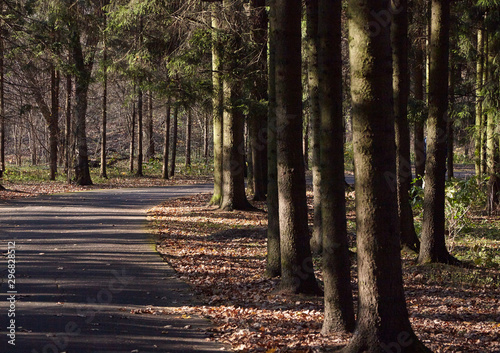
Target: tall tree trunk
{"type": "Point", "coordinates": [54, 122]}
{"type": "Point", "coordinates": [419, 139]}
{"type": "Point", "coordinates": [132, 139]}
{"type": "Point", "coordinates": [218, 107]}
{"type": "Point", "coordinates": [140, 111]}
{"type": "Point", "coordinates": [484, 120]}
{"type": "Point", "coordinates": [433, 246]}
{"type": "Point", "coordinates": [206, 130]}
{"type": "Point", "coordinates": [401, 86]}
{"type": "Point", "coordinates": [104, 173]}
{"type": "Point", "coordinates": [67, 132]}
{"type": "Point", "coordinates": [297, 272]}
{"type": "Point", "coordinates": [273, 261]}
{"type": "Point", "coordinates": [174, 141]}
{"type": "Point", "coordinates": [382, 323]}
{"type": "Point", "coordinates": [82, 82]}
{"type": "Point", "coordinates": [188, 138]}
{"type": "Point", "coordinates": [450, 135]}
{"type": "Point", "coordinates": [166, 144]}
{"type": "Point", "coordinates": [150, 151]}
{"type": "Point", "coordinates": [258, 118]}
{"type": "Point", "coordinates": [311, 54]}
{"type": "Point", "coordinates": [2, 99]}
{"type": "Point", "coordinates": [339, 309]}
{"type": "Point", "coordinates": [233, 155]}
{"type": "Point", "coordinates": [479, 101]}
{"type": "Point", "coordinates": [305, 141]}
{"type": "Point", "coordinates": [492, 152]}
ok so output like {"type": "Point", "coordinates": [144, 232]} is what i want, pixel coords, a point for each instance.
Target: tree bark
{"type": "Point", "coordinates": [82, 82]}
{"type": "Point", "coordinates": [132, 138]}
{"type": "Point", "coordinates": [297, 272]}
{"type": "Point", "coordinates": [479, 101]}
{"type": "Point", "coordinates": [419, 139]}
{"type": "Point", "coordinates": [233, 154]}
{"type": "Point", "coordinates": [258, 117]}
{"type": "Point", "coordinates": [174, 141]}
{"type": "Point", "coordinates": [450, 133]}
{"type": "Point", "coordinates": [166, 140]}
{"type": "Point", "coordinates": [2, 100]}
{"type": "Point", "coordinates": [382, 322]}
{"type": "Point", "coordinates": [188, 138]}
{"type": "Point", "coordinates": [140, 111]}
{"type": "Point", "coordinates": [104, 173]}
{"type": "Point", "coordinates": [150, 151]}
{"type": "Point", "coordinates": [401, 86]}
{"type": "Point", "coordinates": [311, 54]}
{"type": "Point", "coordinates": [339, 309]}
{"type": "Point", "coordinates": [433, 246]}
{"type": "Point", "coordinates": [492, 153]}
{"type": "Point", "coordinates": [68, 127]}
{"type": "Point", "coordinates": [217, 106]}
{"type": "Point", "coordinates": [273, 263]}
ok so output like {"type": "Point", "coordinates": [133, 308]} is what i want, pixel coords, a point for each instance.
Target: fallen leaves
{"type": "Point", "coordinates": [222, 254]}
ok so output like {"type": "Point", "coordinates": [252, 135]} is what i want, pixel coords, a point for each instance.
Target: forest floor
{"type": "Point", "coordinates": [222, 255]}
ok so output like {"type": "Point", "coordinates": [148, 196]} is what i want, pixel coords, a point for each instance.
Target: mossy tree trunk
{"type": "Point", "coordinates": [297, 273]}
{"type": "Point", "coordinates": [433, 245]}
{"type": "Point", "coordinates": [339, 309]}
{"type": "Point", "coordinates": [382, 322]}
{"type": "Point", "coordinates": [273, 263]}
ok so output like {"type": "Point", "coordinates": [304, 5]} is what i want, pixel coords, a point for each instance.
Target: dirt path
{"type": "Point", "coordinates": [88, 279]}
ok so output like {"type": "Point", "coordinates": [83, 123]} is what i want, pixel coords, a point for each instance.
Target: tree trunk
{"type": "Point", "coordinates": [433, 246]}
{"type": "Point", "coordinates": [484, 120]}
{"type": "Point", "coordinates": [401, 86]}
{"type": "Point", "coordinates": [449, 124]}
{"type": "Point", "coordinates": [233, 154]}
{"type": "Point", "coordinates": [206, 130]}
{"type": "Point", "coordinates": [166, 144]}
{"type": "Point", "coordinates": [68, 127]}
{"type": "Point", "coordinates": [150, 152]}
{"type": "Point", "coordinates": [297, 272]}
{"type": "Point", "coordinates": [53, 122]}
{"type": "Point", "coordinates": [188, 138]}
{"type": "Point", "coordinates": [82, 82]}
{"type": "Point", "coordinates": [258, 117]}
{"type": "Point", "coordinates": [492, 153]}
{"type": "Point", "coordinates": [382, 322]}
{"type": "Point", "coordinates": [273, 263]}
{"type": "Point", "coordinates": [339, 309]}
{"type": "Point", "coordinates": [132, 138]}
{"type": "Point", "coordinates": [419, 139]}
{"type": "Point", "coordinates": [305, 141]}
{"type": "Point", "coordinates": [2, 101]}
{"type": "Point", "coordinates": [174, 141]}
{"type": "Point", "coordinates": [140, 112]}
{"type": "Point", "coordinates": [479, 101]}
{"type": "Point", "coordinates": [218, 107]}
{"type": "Point", "coordinates": [104, 173]}
{"type": "Point", "coordinates": [311, 54]}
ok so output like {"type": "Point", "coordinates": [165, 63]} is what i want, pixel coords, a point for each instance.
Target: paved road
{"type": "Point", "coordinates": [83, 263]}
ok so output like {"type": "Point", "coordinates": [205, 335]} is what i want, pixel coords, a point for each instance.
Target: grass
{"type": "Point", "coordinates": [119, 169]}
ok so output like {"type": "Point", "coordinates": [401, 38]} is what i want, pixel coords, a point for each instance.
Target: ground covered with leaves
{"type": "Point", "coordinates": [222, 255]}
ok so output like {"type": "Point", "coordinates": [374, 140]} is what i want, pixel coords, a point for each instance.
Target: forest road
{"type": "Point", "coordinates": [86, 272]}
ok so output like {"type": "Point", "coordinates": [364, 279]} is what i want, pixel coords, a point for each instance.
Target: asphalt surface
{"type": "Point", "coordinates": [84, 263]}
